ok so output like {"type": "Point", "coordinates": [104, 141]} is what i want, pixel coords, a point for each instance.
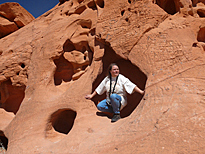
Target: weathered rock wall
{"type": "Point", "coordinates": [48, 66]}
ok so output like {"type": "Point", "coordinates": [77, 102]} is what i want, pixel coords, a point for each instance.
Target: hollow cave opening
{"type": "Point", "coordinates": [63, 120]}
{"type": "Point", "coordinates": [64, 71]}
{"type": "Point", "coordinates": [168, 6]}
{"type": "Point", "coordinates": [201, 13]}
{"type": "Point", "coordinates": [80, 10]}
{"type": "Point", "coordinates": [100, 3]}
{"type": "Point", "coordinates": [80, 1]}
{"type": "Point", "coordinates": [3, 142]}
{"type": "Point", "coordinates": [128, 70]}
{"type": "Point", "coordinates": [23, 65]}
{"type": "Point", "coordinates": [201, 35]}
{"type": "Point", "coordinates": [92, 5]}
{"type": "Point", "coordinates": [122, 12]}
{"type": "Point", "coordinates": [11, 96]}
{"type": "Point", "coordinates": [86, 24]}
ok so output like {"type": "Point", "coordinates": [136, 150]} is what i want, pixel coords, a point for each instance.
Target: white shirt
{"type": "Point", "coordinates": [123, 86]}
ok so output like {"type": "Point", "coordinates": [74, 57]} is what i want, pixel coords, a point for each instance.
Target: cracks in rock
{"type": "Point", "coordinates": [146, 31]}
{"type": "Point", "coordinates": [154, 84]}
{"type": "Point", "coordinates": [158, 119]}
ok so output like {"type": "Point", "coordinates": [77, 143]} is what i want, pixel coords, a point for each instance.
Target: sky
{"type": "Point", "coordinates": [35, 7]}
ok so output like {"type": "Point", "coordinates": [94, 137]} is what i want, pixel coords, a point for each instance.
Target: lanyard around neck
{"type": "Point", "coordinates": [111, 85]}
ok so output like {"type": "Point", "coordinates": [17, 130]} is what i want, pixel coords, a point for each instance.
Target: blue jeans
{"type": "Point", "coordinates": [114, 107]}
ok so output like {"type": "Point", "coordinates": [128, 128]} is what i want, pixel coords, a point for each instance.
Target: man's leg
{"type": "Point", "coordinates": [116, 103]}
{"type": "Point", "coordinates": [104, 107]}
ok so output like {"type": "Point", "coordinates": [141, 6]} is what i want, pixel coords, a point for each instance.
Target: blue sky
{"type": "Point", "coordinates": [35, 7]}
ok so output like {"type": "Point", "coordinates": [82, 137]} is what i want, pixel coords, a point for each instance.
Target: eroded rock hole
{"type": "Point", "coordinates": [92, 5]}
{"type": "Point", "coordinates": [122, 12]}
{"type": "Point", "coordinates": [92, 32]}
{"type": "Point", "coordinates": [168, 6]}
{"type": "Point", "coordinates": [11, 96]}
{"type": "Point", "coordinates": [129, 1]}
{"type": "Point", "coordinates": [86, 24]}
{"type": "Point", "coordinates": [80, 9]}
{"type": "Point", "coordinates": [62, 120]}
{"type": "Point", "coordinates": [194, 45]}
{"type": "Point", "coordinates": [3, 142]}
{"type": "Point", "coordinates": [100, 3]}
{"type": "Point", "coordinates": [62, 1]}
{"type": "Point", "coordinates": [80, 1]}
{"type": "Point", "coordinates": [201, 35]}
{"type": "Point", "coordinates": [128, 70]}
{"type": "Point", "coordinates": [201, 13]}
{"type": "Point", "coordinates": [64, 71]}
{"type": "Point", "coordinates": [68, 46]}
{"type": "Point", "coordinates": [79, 54]}
{"type": "Point", "coordinates": [22, 65]}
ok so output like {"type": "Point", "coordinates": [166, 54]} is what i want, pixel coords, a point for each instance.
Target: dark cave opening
{"type": "Point", "coordinates": [11, 96]}
{"type": "Point", "coordinates": [201, 35]}
{"type": "Point", "coordinates": [128, 70]}
{"type": "Point", "coordinates": [63, 120]}
{"type": "Point", "coordinates": [3, 142]}
{"type": "Point", "coordinates": [64, 71]}
{"type": "Point", "coordinates": [168, 6]}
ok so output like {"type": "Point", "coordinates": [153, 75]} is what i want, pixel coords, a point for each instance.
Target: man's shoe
{"type": "Point", "coordinates": [115, 118]}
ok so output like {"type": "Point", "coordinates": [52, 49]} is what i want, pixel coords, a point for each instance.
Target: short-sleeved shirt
{"type": "Point", "coordinates": [123, 86]}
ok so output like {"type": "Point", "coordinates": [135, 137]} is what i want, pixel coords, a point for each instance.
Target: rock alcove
{"type": "Point", "coordinates": [60, 124]}
{"type": "Point", "coordinates": [3, 142]}
{"type": "Point", "coordinates": [11, 96]}
{"type": "Point", "coordinates": [128, 70]}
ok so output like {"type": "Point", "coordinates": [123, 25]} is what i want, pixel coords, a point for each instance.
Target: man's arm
{"type": "Point", "coordinates": [139, 90]}
{"type": "Point", "coordinates": [90, 96]}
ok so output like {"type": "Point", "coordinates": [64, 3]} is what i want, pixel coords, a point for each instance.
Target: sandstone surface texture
{"type": "Point", "coordinates": [12, 17]}
{"type": "Point", "coordinates": [48, 66]}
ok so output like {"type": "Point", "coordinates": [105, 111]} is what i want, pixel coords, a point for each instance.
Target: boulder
{"type": "Point", "coordinates": [12, 17]}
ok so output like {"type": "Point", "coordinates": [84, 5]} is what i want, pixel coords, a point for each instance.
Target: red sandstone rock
{"type": "Point", "coordinates": [12, 17]}
{"type": "Point", "coordinates": [53, 62]}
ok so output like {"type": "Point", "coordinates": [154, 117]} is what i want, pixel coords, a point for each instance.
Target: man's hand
{"type": "Point", "coordinates": [88, 97]}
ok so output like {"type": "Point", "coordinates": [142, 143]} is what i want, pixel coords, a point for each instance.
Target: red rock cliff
{"type": "Point", "coordinates": [49, 65]}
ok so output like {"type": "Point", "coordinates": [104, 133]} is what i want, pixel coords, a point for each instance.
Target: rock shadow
{"type": "Point", "coordinates": [64, 71]}
{"type": "Point", "coordinates": [3, 142]}
{"type": "Point", "coordinates": [128, 70]}
{"type": "Point", "coordinates": [76, 58]}
{"type": "Point", "coordinates": [11, 96]}
{"type": "Point", "coordinates": [62, 120]}
{"type": "Point", "coordinates": [60, 124]}
{"type": "Point", "coordinates": [168, 6]}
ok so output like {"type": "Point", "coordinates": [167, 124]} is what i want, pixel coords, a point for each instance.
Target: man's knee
{"type": "Point", "coordinates": [113, 96]}
{"type": "Point", "coordinates": [99, 107]}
